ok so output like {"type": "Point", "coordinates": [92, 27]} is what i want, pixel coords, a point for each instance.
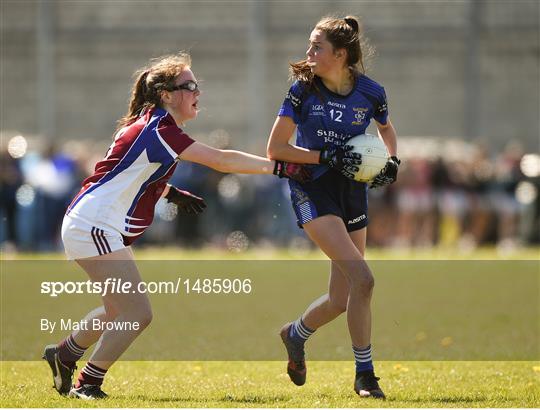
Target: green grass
{"type": "Point", "coordinates": [265, 384]}
{"type": "Point", "coordinates": [177, 253]}
{"type": "Point", "coordinates": [422, 310]}
{"type": "Point", "coordinates": [432, 311]}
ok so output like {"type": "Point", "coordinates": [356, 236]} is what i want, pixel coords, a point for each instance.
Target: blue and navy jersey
{"type": "Point", "coordinates": [324, 117]}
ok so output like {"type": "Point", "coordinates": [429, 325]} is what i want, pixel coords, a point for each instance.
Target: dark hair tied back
{"type": "Point", "coordinates": [353, 23]}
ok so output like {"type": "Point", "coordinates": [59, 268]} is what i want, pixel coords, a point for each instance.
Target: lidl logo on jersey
{"type": "Point", "coordinates": [359, 115]}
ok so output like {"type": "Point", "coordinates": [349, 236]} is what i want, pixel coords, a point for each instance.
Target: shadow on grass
{"type": "Point", "coordinates": [272, 400]}
{"type": "Point", "coordinates": [440, 400]}
{"type": "Point", "coordinates": [253, 399]}
{"type": "Point", "coordinates": [163, 399]}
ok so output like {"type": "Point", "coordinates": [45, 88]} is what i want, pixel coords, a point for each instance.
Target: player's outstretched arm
{"type": "Point", "coordinates": [231, 161]}
{"type": "Point", "coordinates": [227, 160]}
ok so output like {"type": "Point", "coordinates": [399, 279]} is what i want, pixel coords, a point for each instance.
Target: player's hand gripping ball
{"type": "Point", "coordinates": [186, 202]}
{"type": "Point", "coordinates": [343, 159]}
{"type": "Point", "coordinates": [297, 172]}
{"type": "Point", "coordinates": [374, 157]}
{"type": "Point", "coordinates": [388, 175]}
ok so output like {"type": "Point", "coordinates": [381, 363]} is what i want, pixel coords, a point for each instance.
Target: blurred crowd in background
{"type": "Point", "coordinates": [449, 193]}
{"type": "Point", "coordinates": [451, 68]}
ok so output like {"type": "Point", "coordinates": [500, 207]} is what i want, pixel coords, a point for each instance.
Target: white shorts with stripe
{"type": "Point", "coordinates": [84, 240]}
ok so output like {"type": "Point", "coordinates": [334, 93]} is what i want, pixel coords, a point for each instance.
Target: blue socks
{"type": "Point", "coordinates": [299, 333]}
{"type": "Point", "coordinates": [362, 358]}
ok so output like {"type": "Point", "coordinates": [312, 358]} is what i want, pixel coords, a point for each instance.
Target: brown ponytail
{"type": "Point", "coordinates": [138, 101]}
{"type": "Point", "coordinates": [301, 71]}
{"type": "Point", "coordinates": [150, 81]}
{"type": "Point", "coordinates": [353, 23]}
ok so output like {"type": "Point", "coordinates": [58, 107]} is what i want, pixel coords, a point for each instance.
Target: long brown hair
{"type": "Point", "coordinates": [343, 33]}
{"type": "Point", "coordinates": [159, 75]}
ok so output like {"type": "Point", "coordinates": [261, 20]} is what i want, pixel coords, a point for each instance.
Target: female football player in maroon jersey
{"type": "Point", "coordinates": [116, 205]}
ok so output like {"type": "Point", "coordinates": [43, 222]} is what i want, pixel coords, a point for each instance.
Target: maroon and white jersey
{"type": "Point", "coordinates": [128, 182]}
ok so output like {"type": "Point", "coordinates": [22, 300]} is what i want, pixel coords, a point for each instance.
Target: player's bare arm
{"type": "Point", "coordinates": [242, 162]}
{"type": "Point", "coordinates": [388, 133]}
{"type": "Point", "coordinates": [279, 147]}
{"type": "Point", "coordinates": [227, 160]}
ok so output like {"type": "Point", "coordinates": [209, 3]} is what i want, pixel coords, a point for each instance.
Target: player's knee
{"type": "Point", "coordinates": [145, 318]}
{"type": "Point", "coordinates": [363, 282]}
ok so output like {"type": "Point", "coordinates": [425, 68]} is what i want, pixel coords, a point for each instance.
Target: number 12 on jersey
{"type": "Point", "coordinates": [336, 115]}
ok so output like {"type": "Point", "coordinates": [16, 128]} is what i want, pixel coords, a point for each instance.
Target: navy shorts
{"type": "Point", "coordinates": [331, 194]}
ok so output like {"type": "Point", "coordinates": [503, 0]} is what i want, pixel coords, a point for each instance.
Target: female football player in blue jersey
{"type": "Point", "coordinates": [331, 101]}
{"type": "Point", "coordinates": [116, 205]}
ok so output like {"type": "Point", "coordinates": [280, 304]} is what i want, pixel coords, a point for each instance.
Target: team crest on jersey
{"type": "Point", "coordinates": [359, 115]}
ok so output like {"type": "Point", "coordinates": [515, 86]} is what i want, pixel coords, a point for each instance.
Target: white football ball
{"type": "Point", "coordinates": [374, 156]}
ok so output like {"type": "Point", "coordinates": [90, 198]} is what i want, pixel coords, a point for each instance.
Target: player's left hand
{"type": "Point", "coordinates": [297, 172]}
{"type": "Point", "coordinates": [186, 202]}
{"type": "Point", "coordinates": [388, 175]}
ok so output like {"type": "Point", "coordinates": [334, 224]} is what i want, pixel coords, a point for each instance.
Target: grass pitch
{"type": "Point", "coordinates": [265, 384]}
